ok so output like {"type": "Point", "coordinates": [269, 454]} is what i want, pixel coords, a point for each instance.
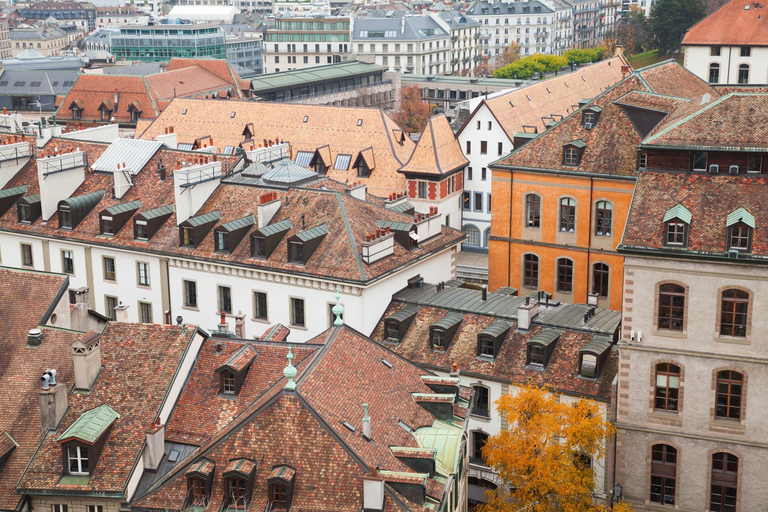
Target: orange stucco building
{"type": "Point", "coordinates": [562, 198]}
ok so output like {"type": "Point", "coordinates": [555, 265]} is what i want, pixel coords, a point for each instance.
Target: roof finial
{"type": "Point", "coordinates": [290, 372]}
{"type": "Point", "coordinates": [338, 310]}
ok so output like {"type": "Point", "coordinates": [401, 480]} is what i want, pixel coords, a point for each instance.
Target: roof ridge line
{"type": "Point", "coordinates": [389, 135]}
{"type": "Point", "coordinates": [434, 146]}
{"type": "Point", "coordinates": [352, 240]}
{"type": "Point", "coordinates": [687, 118]}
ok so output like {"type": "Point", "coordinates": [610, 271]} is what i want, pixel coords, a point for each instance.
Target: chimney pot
{"type": "Point", "coordinates": [34, 337]}
{"type": "Point", "coordinates": [485, 293]}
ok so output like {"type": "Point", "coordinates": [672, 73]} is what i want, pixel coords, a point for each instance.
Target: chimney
{"type": "Point", "coordinates": [192, 186]}
{"type": "Point", "coordinates": [357, 190]}
{"type": "Point", "coordinates": [168, 138]}
{"type": "Point", "coordinates": [373, 493]}
{"type": "Point", "coordinates": [223, 326]}
{"type": "Point", "coordinates": [267, 208]}
{"type": "Point", "coordinates": [86, 355]}
{"type": "Point", "coordinates": [153, 453]}
{"type": "Point", "coordinates": [59, 175]}
{"type": "Point", "coordinates": [34, 337]}
{"type": "Point", "coordinates": [121, 313]}
{"type": "Point", "coordinates": [618, 51]}
{"type": "Point", "coordinates": [53, 401]}
{"type": "Point", "coordinates": [366, 422]}
{"type": "Point", "coordinates": [455, 370]}
{"type": "Point", "coordinates": [122, 181]}
{"type": "Point", "coordinates": [592, 299]}
{"type": "Point", "coordinates": [240, 325]}
{"type": "Point", "coordinates": [485, 293]}
{"type": "Point", "coordinates": [525, 314]}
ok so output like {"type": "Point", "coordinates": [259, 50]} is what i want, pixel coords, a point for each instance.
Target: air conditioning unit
{"type": "Point", "coordinates": [733, 253]}
{"type": "Point", "coordinates": [714, 169]}
{"type": "Point", "coordinates": [588, 126]}
{"type": "Point", "coordinates": [734, 169]}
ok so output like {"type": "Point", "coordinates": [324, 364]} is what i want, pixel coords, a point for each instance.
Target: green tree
{"type": "Point", "coordinates": [523, 69]}
{"type": "Point", "coordinates": [670, 19]}
{"type": "Point", "coordinates": [633, 33]}
{"type": "Point", "coordinates": [585, 56]}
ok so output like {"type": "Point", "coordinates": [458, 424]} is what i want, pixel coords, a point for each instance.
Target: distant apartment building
{"type": "Point", "coordinates": [115, 16]}
{"type": "Point", "coordinates": [245, 52]}
{"type": "Point", "coordinates": [730, 46]}
{"type": "Point", "coordinates": [48, 40]}
{"type": "Point", "coordinates": [5, 39]}
{"type": "Point", "coordinates": [644, 5]}
{"type": "Point", "coordinates": [586, 23]}
{"type": "Point", "coordinates": [155, 43]}
{"type": "Point", "coordinates": [529, 24]}
{"type": "Point", "coordinates": [563, 29]}
{"type": "Point", "coordinates": [299, 43]}
{"type": "Point", "coordinates": [301, 7]}
{"type": "Point", "coordinates": [610, 13]}
{"type": "Point", "coordinates": [81, 13]}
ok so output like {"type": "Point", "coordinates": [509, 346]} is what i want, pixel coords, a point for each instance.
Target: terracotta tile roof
{"type": "Point", "coordinates": [346, 130]}
{"type": "Point", "coordinates": [554, 97]}
{"type": "Point", "coordinates": [738, 120]}
{"type": "Point", "coordinates": [185, 82]}
{"type": "Point", "coordinates": [121, 380]}
{"type": "Point", "coordinates": [437, 151]}
{"type": "Point", "coordinates": [302, 434]}
{"type": "Point", "coordinates": [737, 23]}
{"type": "Point", "coordinates": [710, 198]}
{"type": "Point", "coordinates": [277, 332]}
{"type": "Point", "coordinates": [25, 299]}
{"type": "Point", "coordinates": [219, 67]}
{"type": "Point", "coordinates": [90, 91]}
{"type": "Point", "coordinates": [672, 79]}
{"type": "Point", "coordinates": [650, 101]}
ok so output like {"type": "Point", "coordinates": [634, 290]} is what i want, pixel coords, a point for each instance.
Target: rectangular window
{"type": "Point", "coordinates": [260, 305]}
{"type": "Point", "coordinates": [145, 312]}
{"type": "Point", "coordinates": [714, 51]}
{"type": "Point", "coordinates": [746, 51]}
{"type": "Point", "coordinates": [67, 262]}
{"type": "Point", "coordinates": [490, 125]}
{"type": "Point", "coordinates": [422, 190]}
{"type": "Point", "coordinates": [469, 147]}
{"type": "Point", "coordinates": [643, 160]}
{"type": "Point", "coordinates": [469, 174]}
{"type": "Point", "coordinates": [296, 252]}
{"type": "Point", "coordinates": [187, 237]}
{"type": "Point", "coordinates": [501, 148]}
{"type": "Point", "coordinates": [94, 508]}
{"type": "Point", "coordinates": [483, 173]}
{"type": "Point", "coordinates": [488, 205]}
{"type": "Point", "coordinates": [107, 226]}
{"type": "Point", "coordinates": [700, 161]}
{"type": "Point", "coordinates": [478, 201]}
{"type": "Point", "coordinates": [571, 156]}
{"type": "Point", "coordinates": [297, 312]}
{"type": "Point", "coordinates": [65, 217]}
{"type": "Point", "coordinates": [59, 508]}
{"type": "Point", "coordinates": [140, 231]}
{"type": "Point", "coordinates": [754, 164]}
{"type": "Point", "coordinates": [25, 213]}
{"type": "Point", "coordinates": [110, 303]}
{"type": "Point", "coordinates": [190, 294]}
{"type": "Point", "coordinates": [466, 201]}
{"type": "Point", "coordinates": [225, 299]}
{"type": "Point", "coordinates": [222, 241]}
{"type": "Point", "coordinates": [142, 272]}
{"type": "Point", "coordinates": [77, 457]}
{"type": "Point", "coordinates": [109, 269]}
{"type": "Point", "coordinates": [483, 147]}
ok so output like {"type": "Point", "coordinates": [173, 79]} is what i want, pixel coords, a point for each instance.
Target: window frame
{"type": "Point", "coordinates": [668, 312]}
{"type": "Point", "coordinates": [734, 300]}
{"type": "Point", "coordinates": [697, 156]}
{"type": "Point", "coordinates": [533, 211]}
{"type": "Point", "coordinates": [531, 263]}
{"type": "Point", "coordinates": [81, 454]}
{"type": "Point", "coordinates": [481, 401]}
{"type": "Point", "coordinates": [256, 308]}
{"type": "Point", "coordinates": [723, 480]}
{"type": "Point", "coordinates": [294, 317]}
{"type": "Point", "coordinates": [562, 285]}
{"type": "Point", "coordinates": [742, 234]}
{"type": "Point", "coordinates": [604, 218]}
{"type": "Point", "coordinates": [240, 484]}
{"type": "Point", "coordinates": [567, 215]}
{"type": "Point", "coordinates": [190, 299]}
{"type": "Point", "coordinates": [145, 312]}
{"type": "Point", "coordinates": [667, 397]}
{"type": "Point", "coordinates": [65, 217]}
{"type": "Point", "coordinates": [109, 275]}
{"type": "Point", "coordinates": [224, 296]}
{"type": "Point", "coordinates": [228, 383]}
{"type": "Point", "coordinates": [295, 252]}
{"type": "Point", "coordinates": [604, 281]}
{"type": "Point", "coordinates": [67, 262]}
{"type": "Point", "coordinates": [142, 278]}
{"type": "Point", "coordinates": [676, 233]}
{"type": "Point", "coordinates": [743, 74]}
{"type": "Point", "coordinates": [728, 380]}
{"type": "Point", "coordinates": [571, 156]}
{"type": "Point", "coordinates": [713, 72]}
{"type": "Point", "coordinates": [664, 473]}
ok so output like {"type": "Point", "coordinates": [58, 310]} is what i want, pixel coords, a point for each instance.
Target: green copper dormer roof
{"type": "Point", "coordinates": [162, 211]}
{"type": "Point", "coordinates": [13, 192]}
{"type": "Point", "coordinates": [202, 220]}
{"type": "Point", "coordinates": [446, 440]}
{"type": "Point", "coordinates": [91, 425]}
{"type": "Point", "coordinates": [578, 143]}
{"type": "Point", "coordinates": [243, 223]}
{"type": "Point", "coordinates": [546, 337]}
{"type": "Point", "coordinates": [312, 233]}
{"type": "Point", "coordinates": [276, 228]}
{"type": "Point", "coordinates": [123, 208]}
{"type": "Point", "coordinates": [740, 214]}
{"type": "Point", "coordinates": [678, 212]}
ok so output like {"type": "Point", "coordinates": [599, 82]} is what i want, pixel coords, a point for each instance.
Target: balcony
{"type": "Point", "coordinates": [476, 411]}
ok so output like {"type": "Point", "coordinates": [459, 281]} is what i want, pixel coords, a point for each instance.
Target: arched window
{"type": "Point", "coordinates": [743, 73]}
{"type": "Point", "coordinates": [663, 473]}
{"type": "Point", "coordinates": [725, 477]}
{"type": "Point", "coordinates": [565, 275]}
{"type": "Point", "coordinates": [486, 237]}
{"type": "Point", "coordinates": [714, 73]}
{"type": "Point", "coordinates": [531, 271]}
{"type": "Point", "coordinates": [568, 214]}
{"type": "Point", "coordinates": [671, 307]}
{"type": "Point", "coordinates": [667, 386]}
{"type": "Point", "coordinates": [603, 218]}
{"type": "Point", "coordinates": [728, 398]}
{"type": "Point", "coordinates": [532, 211]}
{"type": "Point", "coordinates": [733, 313]}
{"type": "Point", "coordinates": [473, 235]}
{"type": "Point", "coordinates": [600, 278]}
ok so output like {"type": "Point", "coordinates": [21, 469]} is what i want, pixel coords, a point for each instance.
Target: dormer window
{"type": "Point", "coordinates": [65, 217]}
{"type": "Point", "coordinates": [187, 237]}
{"type": "Point", "coordinates": [740, 224]}
{"type": "Point", "coordinates": [199, 483]}
{"type": "Point", "coordinates": [490, 339]}
{"type": "Point", "coordinates": [362, 170]}
{"type": "Point", "coordinates": [295, 252]}
{"type": "Point", "coordinates": [222, 241]}
{"type": "Point", "coordinates": [572, 153]}
{"type": "Point", "coordinates": [232, 374]}
{"type": "Point", "coordinates": [227, 383]}
{"type": "Point", "coordinates": [107, 226]}
{"type": "Point", "coordinates": [83, 441]}
{"type": "Point", "coordinates": [442, 332]}
{"type": "Point", "coordinates": [106, 114]}
{"type": "Point", "coordinates": [594, 355]}
{"type": "Point", "coordinates": [280, 488]}
{"type": "Point", "coordinates": [236, 492]}
{"type": "Point", "coordinates": [25, 213]}
{"type": "Point", "coordinates": [676, 222]}
{"type": "Point", "coordinates": [134, 113]}
{"type": "Point", "coordinates": [590, 116]}
{"type": "Point", "coordinates": [259, 247]}
{"type": "Point", "coordinates": [320, 168]}
{"type": "Point", "coordinates": [278, 497]}
{"type": "Point", "coordinates": [140, 231]}
{"type": "Point", "coordinates": [77, 113]}
{"type": "Point", "coordinates": [536, 356]}
{"type": "Point", "coordinates": [148, 222]}
{"type": "Point", "coordinates": [197, 492]}
{"type": "Point", "coordinates": [193, 230]}
{"type": "Point", "coordinates": [541, 347]}
{"type": "Point", "coordinates": [588, 366]}
{"type": "Point", "coordinates": [302, 245]}
{"type": "Point", "coordinates": [265, 240]}
{"type": "Point", "coordinates": [77, 460]}
{"type": "Point", "coordinates": [438, 339]}
{"type": "Point", "coordinates": [397, 324]}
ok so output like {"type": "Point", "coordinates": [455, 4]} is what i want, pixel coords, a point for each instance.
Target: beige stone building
{"type": "Point", "coordinates": [48, 40]}
{"type": "Point", "coordinates": [693, 365]}
{"type": "Point", "coordinates": [5, 39]}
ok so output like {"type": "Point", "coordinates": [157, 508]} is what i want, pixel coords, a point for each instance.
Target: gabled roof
{"type": "Point", "coordinates": [186, 82]}
{"type": "Point", "coordinates": [90, 91]}
{"type": "Point", "coordinates": [737, 23]}
{"type": "Point", "coordinates": [437, 151]}
{"type": "Point", "coordinates": [219, 67]}
{"type": "Point", "coordinates": [132, 152]}
{"type": "Point", "coordinates": [90, 426]}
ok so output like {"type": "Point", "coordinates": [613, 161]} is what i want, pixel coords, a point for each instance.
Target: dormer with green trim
{"type": "Point", "coordinates": [590, 116]}
{"type": "Point", "coordinates": [193, 230]}
{"type": "Point", "coordinates": [84, 440]}
{"type": "Point", "coordinates": [303, 244]}
{"type": "Point", "coordinates": [112, 219]}
{"type": "Point", "coordinates": [741, 226]}
{"type": "Point", "coordinates": [265, 240]}
{"type": "Point", "coordinates": [677, 222]}
{"type": "Point", "coordinates": [228, 236]}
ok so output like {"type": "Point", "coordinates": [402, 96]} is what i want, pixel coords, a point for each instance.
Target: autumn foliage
{"type": "Point", "coordinates": [543, 455]}
{"type": "Point", "coordinates": [413, 114]}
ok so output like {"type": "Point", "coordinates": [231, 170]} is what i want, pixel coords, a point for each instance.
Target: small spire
{"type": "Point", "coordinates": [290, 372]}
{"type": "Point", "coordinates": [338, 310]}
{"type": "Point", "coordinates": [365, 413]}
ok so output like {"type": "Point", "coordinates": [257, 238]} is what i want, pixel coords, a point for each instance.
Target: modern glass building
{"type": "Point", "coordinates": [155, 43]}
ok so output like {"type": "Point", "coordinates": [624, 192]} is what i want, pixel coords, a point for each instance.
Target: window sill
{"type": "Point", "coordinates": [144, 286]}
{"type": "Point", "coordinates": [260, 320]}
{"type": "Point", "coordinates": [191, 308]}
{"type": "Point", "coordinates": [668, 418]}
{"type": "Point", "coordinates": [299, 327]}
{"type": "Point", "coordinates": [664, 333]}
{"type": "Point", "coordinates": [727, 426]}
{"type": "Point", "coordinates": [734, 340]}
{"type": "Point", "coordinates": [480, 417]}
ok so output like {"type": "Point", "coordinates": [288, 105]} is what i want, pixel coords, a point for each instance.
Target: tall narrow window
{"type": "Point", "coordinates": [26, 255]}
{"type": "Point", "coordinates": [667, 386]}
{"type": "Point", "coordinates": [700, 161]}
{"type": "Point", "coordinates": [729, 395]}
{"type": "Point", "coordinates": [236, 492]}
{"type": "Point", "coordinates": [478, 441]}
{"type": "Point", "coordinates": [259, 246]}
{"type": "Point", "coordinates": [564, 275]}
{"type": "Point", "coordinates": [278, 497]}
{"type": "Point", "coordinates": [190, 294]}
{"type": "Point", "coordinates": [714, 73]}
{"type": "Point", "coordinates": [531, 271]}
{"type": "Point", "coordinates": [109, 269]}
{"type": "Point", "coordinates": [725, 477]}
{"type": "Point", "coordinates": [222, 241]}
{"type": "Point", "coordinates": [604, 218]}
{"type": "Point", "coordinates": [145, 312]}
{"type": "Point", "coordinates": [482, 401]}
{"type": "Point", "coordinates": [110, 305]}
{"type": "Point", "coordinates": [532, 211]}
{"type": "Point", "coordinates": [478, 201]}
{"type": "Point", "coordinates": [196, 489]}
{"type": "Point", "coordinates": [297, 311]}
{"type": "Point", "coordinates": [469, 147]}
{"type": "Point", "coordinates": [142, 270]}
{"type": "Point", "coordinates": [733, 315]}
{"type": "Point", "coordinates": [67, 262]}
{"type": "Point", "coordinates": [567, 214]}
{"type": "Point", "coordinates": [228, 383]}
{"type": "Point", "coordinates": [422, 189]}
{"type": "Point", "coordinates": [600, 279]}
{"type": "Point", "coordinates": [466, 201]}
{"type": "Point", "coordinates": [225, 299]}
{"type": "Point", "coordinates": [65, 217]}
{"type": "Point", "coordinates": [739, 237]}
{"type": "Point", "coordinates": [484, 147]}
{"type": "Point", "coordinates": [260, 305]}
{"type": "Point", "coordinates": [187, 237]}
{"type": "Point", "coordinates": [743, 73]}
{"type": "Point", "coordinates": [663, 474]}
{"type": "Point", "coordinates": [671, 307]}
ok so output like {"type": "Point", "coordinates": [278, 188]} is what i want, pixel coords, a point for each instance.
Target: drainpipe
{"type": "Point", "coordinates": [509, 242]}
{"type": "Point", "coordinates": [589, 238]}
{"type": "Point", "coordinates": [728, 75]}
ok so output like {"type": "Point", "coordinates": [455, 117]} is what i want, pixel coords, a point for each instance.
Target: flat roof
{"type": "Point", "coordinates": [297, 77]}
{"type": "Point", "coordinates": [466, 80]}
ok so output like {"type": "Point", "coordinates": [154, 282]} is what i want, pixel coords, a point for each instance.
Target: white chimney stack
{"type": "Point", "coordinates": [122, 181]}
{"type": "Point", "coordinates": [121, 313]}
{"type": "Point", "coordinates": [53, 402]}
{"type": "Point", "coordinates": [59, 175]}
{"type": "Point", "coordinates": [525, 314]}
{"type": "Point", "coordinates": [193, 186]}
{"type": "Point", "coordinates": [268, 205]}
{"type": "Point", "coordinates": [373, 493]}
{"type": "Point", "coordinates": [86, 356]}
{"type": "Point", "coordinates": [155, 449]}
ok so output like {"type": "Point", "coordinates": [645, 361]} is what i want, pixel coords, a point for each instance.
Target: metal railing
{"type": "Point", "coordinates": [349, 88]}
{"type": "Point", "coordinates": [481, 412]}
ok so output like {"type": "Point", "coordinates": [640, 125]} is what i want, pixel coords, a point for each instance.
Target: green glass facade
{"type": "Point", "coordinates": [314, 31]}
{"type": "Point", "coordinates": [164, 42]}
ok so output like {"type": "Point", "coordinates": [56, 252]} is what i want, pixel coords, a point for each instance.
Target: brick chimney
{"type": "Point", "coordinates": [53, 402]}
{"type": "Point", "coordinates": [86, 355]}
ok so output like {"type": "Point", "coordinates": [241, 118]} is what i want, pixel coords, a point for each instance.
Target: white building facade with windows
{"type": "Point", "coordinates": [742, 65]}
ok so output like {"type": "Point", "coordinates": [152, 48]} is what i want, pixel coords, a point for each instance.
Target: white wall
{"type": "Point", "coordinates": [699, 58]}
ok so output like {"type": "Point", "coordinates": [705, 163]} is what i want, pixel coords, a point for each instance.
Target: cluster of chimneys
{"type": "Point", "coordinates": [48, 378]}
{"type": "Point", "coordinates": [13, 140]}
{"type": "Point", "coordinates": [423, 216]}
{"type": "Point", "coordinates": [589, 313]}
{"type": "Point", "coordinates": [355, 184]}
{"type": "Point", "coordinates": [267, 197]}
{"type": "Point", "coordinates": [397, 195]}
{"type": "Point", "coordinates": [74, 127]}
{"type": "Point", "coordinates": [123, 167]}
{"type": "Point", "coordinates": [270, 142]}
{"type": "Point", "coordinates": [379, 233]}
{"type": "Point", "coordinates": [56, 152]}
{"type": "Point", "coordinates": [210, 143]}
{"type": "Point", "coordinates": [168, 129]}
{"type": "Point", "coordinates": [198, 160]}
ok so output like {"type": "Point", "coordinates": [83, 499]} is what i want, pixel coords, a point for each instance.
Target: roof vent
{"type": "Point", "coordinates": [714, 169]}
{"type": "Point", "coordinates": [34, 337]}
{"type": "Point", "coordinates": [734, 169]}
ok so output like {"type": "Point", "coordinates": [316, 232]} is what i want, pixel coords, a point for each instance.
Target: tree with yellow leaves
{"type": "Point", "coordinates": [543, 456]}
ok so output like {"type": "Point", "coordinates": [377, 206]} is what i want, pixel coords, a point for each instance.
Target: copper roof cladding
{"type": "Point", "coordinates": [27, 299]}
{"type": "Point", "coordinates": [611, 145]}
{"type": "Point", "coordinates": [136, 391]}
{"type": "Point", "coordinates": [305, 430]}
{"type": "Point", "coordinates": [710, 198]}
{"type": "Point", "coordinates": [556, 96]}
{"type": "Point", "coordinates": [737, 23]}
{"type": "Point", "coordinates": [347, 130]}
{"type": "Point", "coordinates": [437, 152]}
{"type": "Point", "coordinates": [736, 122]}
